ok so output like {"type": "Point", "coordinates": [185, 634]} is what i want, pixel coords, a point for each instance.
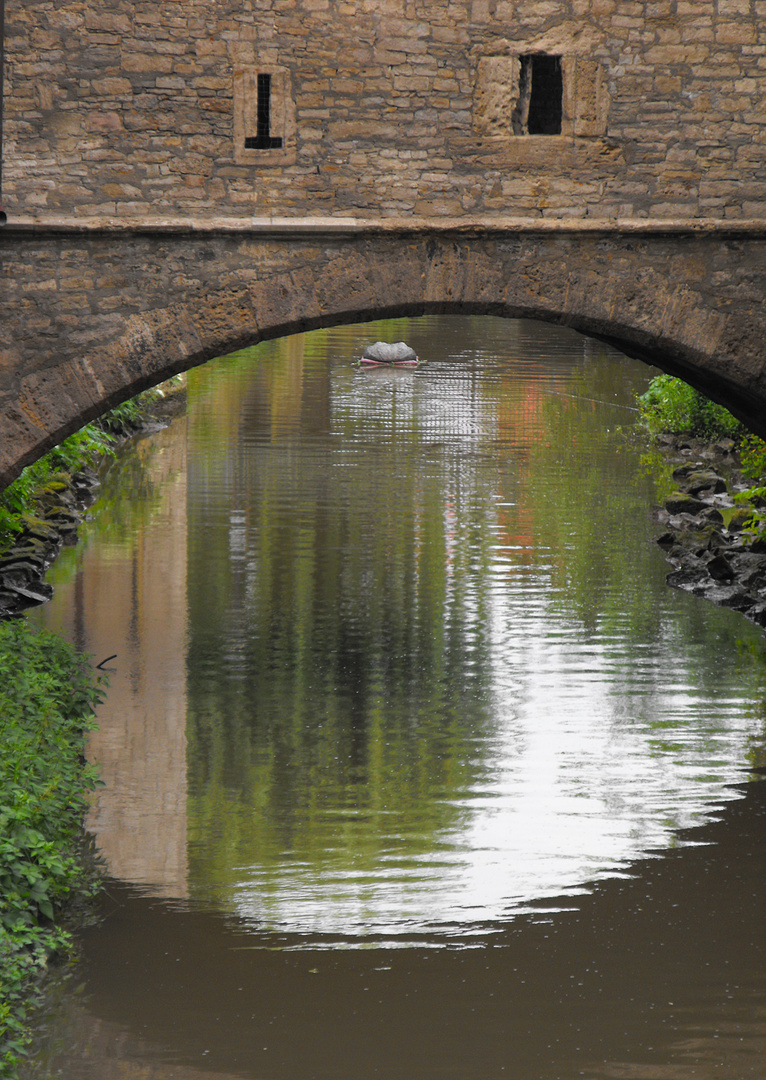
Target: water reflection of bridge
{"type": "Point", "coordinates": [139, 816]}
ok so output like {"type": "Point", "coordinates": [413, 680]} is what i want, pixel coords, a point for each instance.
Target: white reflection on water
{"type": "Point", "coordinates": [571, 798]}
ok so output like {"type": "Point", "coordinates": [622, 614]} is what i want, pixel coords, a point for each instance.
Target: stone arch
{"type": "Point", "coordinates": [162, 302]}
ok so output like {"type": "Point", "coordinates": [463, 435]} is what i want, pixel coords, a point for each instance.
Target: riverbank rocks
{"type": "Point", "coordinates": [23, 566]}
{"type": "Point", "coordinates": [703, 538]}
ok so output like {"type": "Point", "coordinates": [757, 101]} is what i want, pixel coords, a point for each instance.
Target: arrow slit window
{"type": "Point", "coordinates": [263, 139]}
{"type": "Point", "coordinates": [264, 116]}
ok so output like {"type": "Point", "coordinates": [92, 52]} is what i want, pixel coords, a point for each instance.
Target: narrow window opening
{"type": "Point", "coordinates": [545, 102]}
{"type": "Point", "coordinates": [539, 109]}
{"type": "Point", "coordinates": [263, 139]}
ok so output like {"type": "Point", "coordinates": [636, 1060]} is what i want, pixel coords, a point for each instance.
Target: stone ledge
{"type": "Point", "coordinates": [346, 226]}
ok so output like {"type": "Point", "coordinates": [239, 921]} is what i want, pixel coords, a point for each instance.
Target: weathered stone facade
{"type": "Point", "coordinates": [383, 107]}
{"type": "Point", "coordinates": [186, 176]}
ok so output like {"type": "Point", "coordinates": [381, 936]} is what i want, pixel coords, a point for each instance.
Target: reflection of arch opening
{"type": "Point", "coordinates": [247, 289]}
{"type": "Point", "coordinates": [170, 771]}
{"type": "Point", "coordinates": [268, 407]}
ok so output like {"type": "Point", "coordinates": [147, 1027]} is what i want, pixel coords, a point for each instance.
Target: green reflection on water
{"type": "Point", "coordinates": [354, 640]}
{"type": "Point", "coordinates": [342, 677]}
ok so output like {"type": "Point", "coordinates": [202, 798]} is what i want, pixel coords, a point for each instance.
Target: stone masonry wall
{"type": "Point", "coordinates": [384, 107]}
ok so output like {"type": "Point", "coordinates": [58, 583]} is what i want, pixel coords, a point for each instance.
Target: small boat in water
{"type": "Point", "coordinates": [385, 354]}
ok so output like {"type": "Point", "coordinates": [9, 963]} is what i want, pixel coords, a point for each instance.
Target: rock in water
{"type": "Point", "coordinates": [384, 353]}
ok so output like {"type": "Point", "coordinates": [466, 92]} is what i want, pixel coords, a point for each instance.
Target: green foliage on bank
{"type": "Point", "coordinates": [753, 459]}
{"type": "Point", "coordinates": [671, 405]}
{"type": "Point", "coordinates": [53, 472]}
{"type": "Point", "coordinates": [47, 700]}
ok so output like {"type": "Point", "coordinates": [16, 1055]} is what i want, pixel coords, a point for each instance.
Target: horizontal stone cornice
{"type": "Point", "coordinates": [346, 226]}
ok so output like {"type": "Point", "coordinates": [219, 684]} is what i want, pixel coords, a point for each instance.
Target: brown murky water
{"type": "Point", "coordinates": [414, 766]}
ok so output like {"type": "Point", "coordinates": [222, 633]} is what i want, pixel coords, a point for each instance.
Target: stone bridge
{"type": "Point", "coordinates": [184, 179]}
{"type": "Point", "coordinates": [91, 313]}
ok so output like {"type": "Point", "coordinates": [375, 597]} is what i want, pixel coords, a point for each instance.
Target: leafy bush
{"type": "Point", "coordinates": [753, 460]}
{"type": "Point", "coordinates": [126, 416]}
{"type": "Point", "coordinates": [671, 405]}
{"type": "Point", "coordinates": [47, 700]}
{"type": "Point", "coordinates": [753, 457]}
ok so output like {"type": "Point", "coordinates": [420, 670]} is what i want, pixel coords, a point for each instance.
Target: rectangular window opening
{"type": "Point", "coordinates": [539, 109]}
{"type": "Point", "coordinates": [263, 139]}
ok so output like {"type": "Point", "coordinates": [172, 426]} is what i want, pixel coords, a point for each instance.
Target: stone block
{"type": "Point", "coordinates": [736, 32]}
{"type": "Point", "coordinates": [147, 63]}
{"type": "Point", "coordinates": [112, 87]}
{"type": "Point", "coordinates": [99, 20]}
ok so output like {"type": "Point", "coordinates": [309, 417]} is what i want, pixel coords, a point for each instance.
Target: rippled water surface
{"type": "Point", "coordinates": [414, 766]}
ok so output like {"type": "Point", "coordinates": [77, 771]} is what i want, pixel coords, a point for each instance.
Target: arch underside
{"type": "Point", "coordinates": [142, 307]}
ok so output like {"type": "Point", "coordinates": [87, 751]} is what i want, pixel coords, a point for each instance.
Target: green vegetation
{"type": "Point", "coordinates": [753, 457]}
{"type": "Point", "coordinates": [53, 472]}
{"type": "Point", "coordinates": [47, 700]}
{"type": "Point", "coordinates": [671, 405]}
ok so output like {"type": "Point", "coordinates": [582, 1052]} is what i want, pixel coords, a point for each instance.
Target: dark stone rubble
{"type": "Point", "coordinates": [23, 566]}
{"type": "Point", "coordinates": [703, 539]}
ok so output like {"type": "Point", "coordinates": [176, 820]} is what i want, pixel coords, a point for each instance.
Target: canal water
{"type": "Point", "coordinates": [414, 766]}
